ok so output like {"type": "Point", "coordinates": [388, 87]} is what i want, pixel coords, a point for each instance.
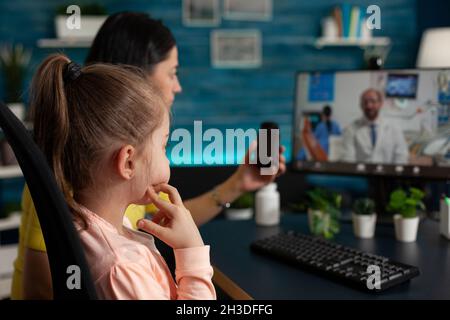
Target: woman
{"type": "Point", "coordinates": [138, 40]}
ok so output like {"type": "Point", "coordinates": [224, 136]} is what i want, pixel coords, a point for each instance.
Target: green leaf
{"type": "Point", "coordinates": [328, 235]}
{"type": "Point", "coordinates": [14, 58]}
{"type": "Point", "coordinates": [405, 203]}
{"type": "Point", "coordinates": [416, 193]}
{"type": "Point", "coordinates": [421, 205]}
{"type": "Point", "coordinates": [245, 201]}
{"type": "Point", "coordinates": [327, 203]}
{"type": "Point", "coordinates": [411, 202]}
{"type": "Point", "coordinates": [409, 212]}
{"type": "Point", "coordinates": [364, 206]}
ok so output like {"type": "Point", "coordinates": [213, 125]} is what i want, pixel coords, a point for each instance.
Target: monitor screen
{"type": "Point", "coordinates": [401, 85]}
{"type": "Point", "coordinates": [386, 122]}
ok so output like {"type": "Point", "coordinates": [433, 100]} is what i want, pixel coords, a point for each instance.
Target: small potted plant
{"type": "Point", "coordinates": [364, 218]}
{"type": "Point", "coordinates": [241, 208]}
{"type": "Point", "coordinates": [323, 212]}
{"type": "Point", "coordinates": [14, 60]}
{"type": "Point", "coordinates": [92, 17]}
{"type": "Point", "coordinates": [404, 205]}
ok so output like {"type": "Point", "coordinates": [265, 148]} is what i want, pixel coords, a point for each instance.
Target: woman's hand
{"type": "Point", "coordinates": [173, 223]}
{"type": "Point", "coordinates": [248, 176]}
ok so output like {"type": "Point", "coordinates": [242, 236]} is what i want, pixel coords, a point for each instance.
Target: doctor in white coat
{"type": "Point", "coordinates": [372, 139]}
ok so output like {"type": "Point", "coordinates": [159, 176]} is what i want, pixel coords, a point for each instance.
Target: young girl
{"type": "Point", "coordinates": [131, 38]}
{"type": "Point", "coordinates": [103, 130]}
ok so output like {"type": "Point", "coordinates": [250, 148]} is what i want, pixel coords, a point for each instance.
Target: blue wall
{"type": "Point", "coordinates": [234, 98]}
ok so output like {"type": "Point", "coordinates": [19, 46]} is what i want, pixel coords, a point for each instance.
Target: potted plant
{"type": "Point", "coordinates": [92, 17]}
{"type": "Point", "coordinates": [323, 212]}
{"type": "Point", "coordinates": [404, 205]}
{"type": "Point", "coordinates": [364, 218]}
{"type": "Point", "coordinates": [241, 208]}
{"type": "Point", "coordinates": [14, 60]}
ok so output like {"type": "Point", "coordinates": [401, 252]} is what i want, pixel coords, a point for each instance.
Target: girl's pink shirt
{"type": "Point", "coordinates": [130, 267]}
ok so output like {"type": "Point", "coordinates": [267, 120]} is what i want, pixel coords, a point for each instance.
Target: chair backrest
{"type": "Point", "coordinates": [64, 250]}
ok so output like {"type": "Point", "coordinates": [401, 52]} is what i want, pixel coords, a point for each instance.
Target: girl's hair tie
{"type": "Point", "coordinates": [72, 71]}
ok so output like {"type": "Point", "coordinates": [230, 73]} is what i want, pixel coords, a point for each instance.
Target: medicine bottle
{"type": "Point", "coordinates": [267, 205]}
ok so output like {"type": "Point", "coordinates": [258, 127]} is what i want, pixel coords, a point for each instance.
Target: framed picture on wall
{"type": "Point", "coordinates": [201, 13]}
{"type": "Point", "coordinates": [248, 10]}
{"type": "Point", "coordinates": [236, 48]}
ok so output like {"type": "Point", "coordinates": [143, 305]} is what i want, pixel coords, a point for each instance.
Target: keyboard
{"type": "Point", "coordinates": [352, 267]}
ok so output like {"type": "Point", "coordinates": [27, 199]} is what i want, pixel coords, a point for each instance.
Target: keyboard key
{"type": "Point", "coordinates": [395, 276]}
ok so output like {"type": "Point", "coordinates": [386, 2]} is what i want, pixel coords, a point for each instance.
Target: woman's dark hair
{"type": "Point", "coordinates": [327, 111]}
{"type": "Point", "coordinates": [131, 38]}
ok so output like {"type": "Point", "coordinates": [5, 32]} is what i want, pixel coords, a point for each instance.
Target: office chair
{"type": "Point", "coordinates": [61, 239]}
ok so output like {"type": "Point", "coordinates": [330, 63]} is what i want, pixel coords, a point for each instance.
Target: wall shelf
{"type": "Point", "coordinates": [11, 222]}
{"type": "Point", "coordinates": [352, 42]}
{"type": "Point", "coordinates": [65, 43]}
{"type": "Point", "coordinates": [7, 172]}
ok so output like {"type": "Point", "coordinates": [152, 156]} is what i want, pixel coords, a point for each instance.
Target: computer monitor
{"type": "Point", "coordinates": [400, 85]}
{"type": "Point", "coordinates": [384, 122]}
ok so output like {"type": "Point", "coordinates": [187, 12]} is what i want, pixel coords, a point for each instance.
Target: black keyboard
{"type": "Point", "coordinates": [352, 267]}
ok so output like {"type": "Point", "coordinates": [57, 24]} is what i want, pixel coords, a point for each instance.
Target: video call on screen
{"type": "Point", "coordinates": [392, 117]}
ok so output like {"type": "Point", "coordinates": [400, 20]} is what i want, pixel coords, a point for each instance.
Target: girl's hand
{"type": "Point", "coordinates": [173, 223]}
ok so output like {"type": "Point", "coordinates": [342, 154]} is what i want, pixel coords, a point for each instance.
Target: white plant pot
{"type": "Point", "coordinates": [89, 26]}
{"type": "Point", "coordinates": [406, 228]}
{"type": "Point", "coordinates": [239, 214]}
{"type": "Point", "coordinates": [18, 108]}
{"type": "Point", "coordinates": [364, 225]}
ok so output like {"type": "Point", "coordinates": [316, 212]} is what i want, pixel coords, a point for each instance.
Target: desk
{"type": "Point", "coordinates": [264, 278]}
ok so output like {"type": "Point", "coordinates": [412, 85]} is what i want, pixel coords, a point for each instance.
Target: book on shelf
{"type": "Point", "coordinates": [350, 21]}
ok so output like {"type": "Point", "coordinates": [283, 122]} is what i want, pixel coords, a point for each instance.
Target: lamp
{"type": "Point", "coordinates": [434, 49]}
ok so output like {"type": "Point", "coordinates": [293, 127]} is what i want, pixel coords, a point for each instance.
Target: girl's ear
{"type": "Point", "coordinates": [125, 162]}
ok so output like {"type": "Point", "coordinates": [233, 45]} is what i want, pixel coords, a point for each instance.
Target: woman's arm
{"type": "Point", "coordinates": [204, 207]}
{"type": "Point", "coordinates": [246, 178]}
{"type": "Point", "coordinates": [36, 277]}
{"type": "Point", "coordinates": [37, 280]}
